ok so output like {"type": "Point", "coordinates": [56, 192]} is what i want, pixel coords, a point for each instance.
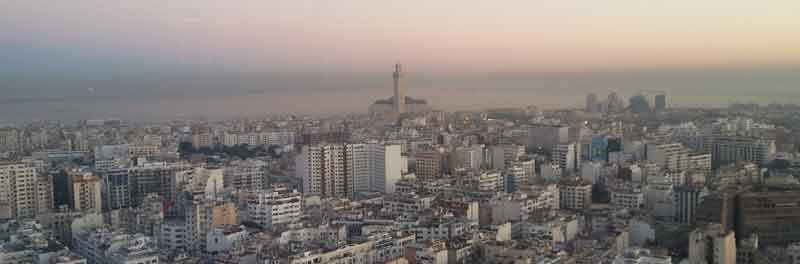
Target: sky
{"type": "Point", "coordinates": [58, 48]}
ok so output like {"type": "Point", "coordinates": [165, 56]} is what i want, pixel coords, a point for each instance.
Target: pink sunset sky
{"type": "Point", "coordinates": [369, 35]}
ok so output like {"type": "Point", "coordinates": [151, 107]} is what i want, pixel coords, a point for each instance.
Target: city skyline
{"type": "Point", "coordinates": [164, 58]}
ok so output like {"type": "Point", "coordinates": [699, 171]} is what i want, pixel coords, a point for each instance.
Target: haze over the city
{"type": "Point", "coordinates": [156, 59]}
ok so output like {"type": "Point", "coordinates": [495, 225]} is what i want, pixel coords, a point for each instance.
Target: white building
{"type": "Point", "coordinates": [332, 233]}
{"type": "Point", "coordinates": [566, 156]}
{"type": "Point", "coordinates": [627, 197]}
{"type": "Point", "coordinates": [225, 238]}
{"type": "Point", "coordinates": [641, 256]}
{"type": "Point", "coordinates": [104, 246]}
{"type": "Point", "coordinates": [274, 207]}
{"type": "Point", "coordinates": [673, 157]}
{"type": "Point", "coordinates": [343, 170]}
{"type": "Point", "coordinates": [491, 182]}
{"type": "Point", "coordinates": [175, 234]}
{"type": "Point", "coordinates": [380, 248]}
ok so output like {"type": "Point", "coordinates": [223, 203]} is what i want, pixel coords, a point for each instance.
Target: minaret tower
{"type": "Point", "coordinates": [399, 90]}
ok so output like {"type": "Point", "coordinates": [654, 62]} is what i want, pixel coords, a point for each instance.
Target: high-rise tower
{"type": "Point", "coordinates": [399, 90]}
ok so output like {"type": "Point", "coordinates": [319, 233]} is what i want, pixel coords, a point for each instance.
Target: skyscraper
{"type": "Point", "coordinates": [640, 104]}
{"type": "Point", "coordinates": [399, 90]}
{"type": "Point", "coordinates": [591, 102]}
{"type": "Point", "coordinates": [660, 102]}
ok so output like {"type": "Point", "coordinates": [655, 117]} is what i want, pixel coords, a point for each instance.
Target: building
{"type": "Point", "coordinates": [592, 172]}
{"type": "Point", "coordinates": [566, 157]}
{"type": "Point", "coordinates": [322, 170]}
{"type": "Point", "coordinates": [466, 158]}
{"type": "Point", "coordinates": [278, 206]}
{"type": "Point", "coordinates": [639, 104]}
{"type": "Point", "coordinates": [19, 194]}
{"type": "Point", "coordinates": [711, 245]}
{"type": "Point", "coordinates": [719, 208]}
{"type": "Point", "coordinates": [380, 248]}
{"type": "Point", "coordinates": [428, 164]}
{"type": "Point", "coordinates": [344, 170]}
{"type": "Point", "coordinates": [202, 140]}
{"type": "Point", "coordinates": [176, 235]}
{"type": "Point", "coordinates": [9, 140]}
{"type": "Point", "coordinates": [674, 157]}
{"type": "Point", "coordinates": [503, 155]}
{"type": "Point", "coordinates": [641, 256]}
{"type": "Point", "coordinates": [105, 246]}
{"type": "Point", "coordinates": [627, 197]}
{"type": "Point", "coordinates": [116, 188]}
{"type": "Point", "coordinates": [332, 137]}
{"type": "Point", "coordinates": [29, 241]}
{"type": "Point", "coordinates": [373, 167]}
{"type": "Point", "coordinates": [771, 213]}
{"type": "Point", "coordinates": [246, 175]}
{"type": "Point", "coordinates": [660, 102]}
{"type": "Point", "coordinates": [399, 103]}
{"type": "Point", "coordinates": [575, 194]}
{"type": "Point", "coordinates": [154, 177]}
{"type": "Point", "coordinates": [686, 201]}
{"type": "Point", "coordinates": [591, 103]}
{"type": "Point", "coordinates": [726, 150]}
{"type": "Point", "coordinates": [490, 181]}
{"type": "Point", "coordinates": [86, 192]}
{"type": "Point", "coordinates": [547, 136]}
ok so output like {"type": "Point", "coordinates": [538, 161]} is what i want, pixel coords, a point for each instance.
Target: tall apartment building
{"type": "Point", "coordinates": [343, 170]}
{"type": "Point", "coordinates": [116, 188]}
{"type": "Point", "coordinates": [85, 192]}
{"type": "Point", "coordinates": [322, 170]}
{"type": "Point", "coordinates": [19, 194]}
{"type": "Point", "coordinates": [566, 156]}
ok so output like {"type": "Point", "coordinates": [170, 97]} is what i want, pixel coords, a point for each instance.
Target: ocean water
{"type": "Point", "coordinates": [145, 98]}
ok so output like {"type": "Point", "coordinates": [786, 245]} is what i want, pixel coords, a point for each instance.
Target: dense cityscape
{"type": "Point", "coordinates": [619, 181]}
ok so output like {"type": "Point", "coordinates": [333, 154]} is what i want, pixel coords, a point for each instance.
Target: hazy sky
{"type": "Point", "coordinates": [57, 48]}
{"type": "Point", "coordinates": [366, 35]}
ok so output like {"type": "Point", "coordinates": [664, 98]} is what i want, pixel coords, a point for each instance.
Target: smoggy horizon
{"type": "Point", "coordinates": [157, 59]}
